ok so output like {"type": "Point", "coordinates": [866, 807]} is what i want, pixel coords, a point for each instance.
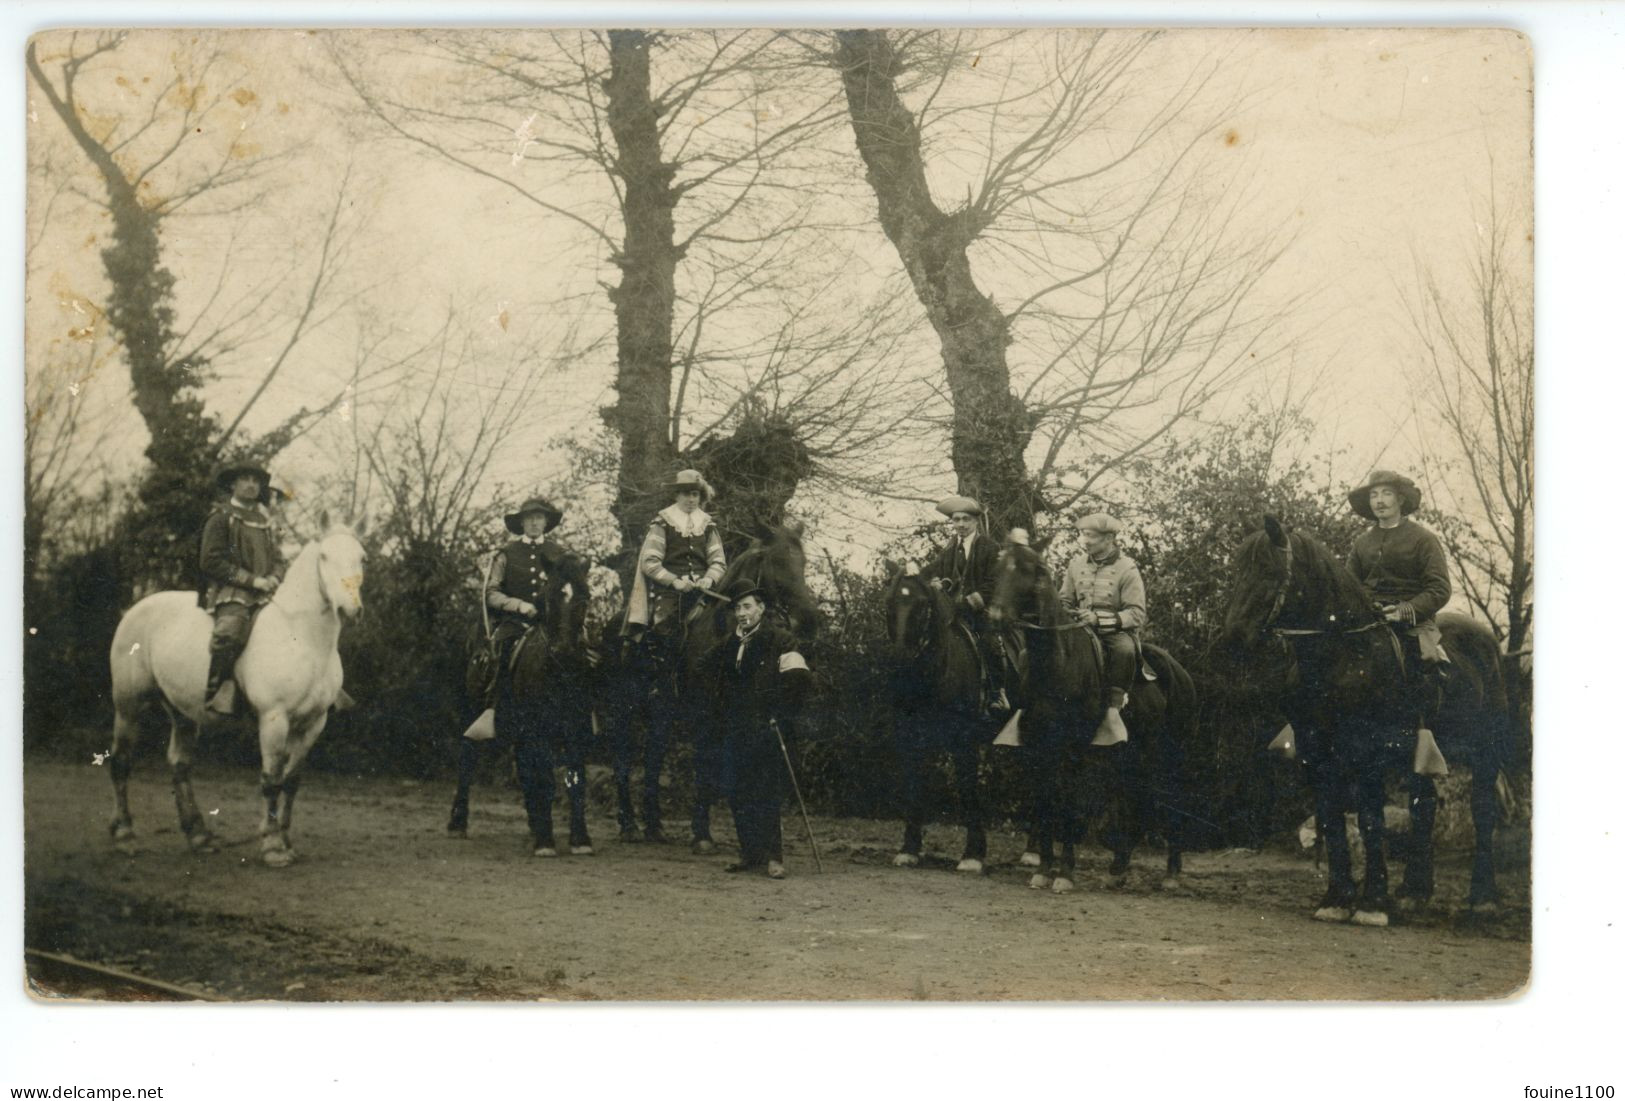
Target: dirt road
{"type": "Point", "coordinates": [383, 907]}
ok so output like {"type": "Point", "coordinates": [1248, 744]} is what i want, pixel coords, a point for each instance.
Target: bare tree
{"type": "Point", "coordinates": [1132, 308]}
{"type": "Point", "coordinates": [160, 149]}
{"type": "Point", "coordinates": [713, 201]}
{"type": "Point", "coordinates": [1478, 380]}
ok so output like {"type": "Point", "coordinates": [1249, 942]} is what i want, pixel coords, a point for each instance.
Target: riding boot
{"type": "Point", "coordinates": [221, 691]}
{"type": "Point", "coordinates": [1111, 730]}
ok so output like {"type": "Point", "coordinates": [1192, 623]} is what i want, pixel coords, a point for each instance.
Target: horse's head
{"type": "Point", "coordinates": [1263, 579]}
{"type": "Point", "coordinates": [1020, 581]}
{"type": "Point", "coordinates": [778, 562]}
{"type": "Point", "coordinates": [566, 600]}
{"type": "Point", "coordinates": [341, 566]}
{"type": "Point", "coordinates": [910, 604]}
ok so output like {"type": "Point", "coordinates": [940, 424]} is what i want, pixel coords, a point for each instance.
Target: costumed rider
{"type": "Point", "coordinates": [761, 681]}
{"type": "Point", "coordinates": [1404, 570]}
{"type": "Point", "coordinates": [681, 557]}
{"type": "Point", "coordinates": [1104, 590]}
{"type": "Point", "coordinates": [516, 578]}
{"type": "Point", "coordinates": [242, 567]}
{"type": "Point", "coordinates": [966, 569]}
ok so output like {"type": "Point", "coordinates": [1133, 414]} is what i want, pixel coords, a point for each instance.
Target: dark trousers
{"type": "Point", "coordinates": [753, 770]}
{"type": "Point", "coordinates": [1121, 659]}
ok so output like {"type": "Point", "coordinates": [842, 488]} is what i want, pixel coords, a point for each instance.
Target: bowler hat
{"type": "Point", "coordinates": [1102, 522]}
{"type": "Point", "coordinates": [691, 479]}
{"type": "Point", "coordinates": [958, 503]}
{"type": "Point", "coordinates": [741, 587]}
{"type": "Point", "coordinates": [227, 475]}
{"type": "Point", "coordinates": [515, 520]}
{"type": "Point", "coordinates": [1410, 495]}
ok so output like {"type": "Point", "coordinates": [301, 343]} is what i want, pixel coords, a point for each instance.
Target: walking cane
{"type": "Point", "coordinates": [805, 821]}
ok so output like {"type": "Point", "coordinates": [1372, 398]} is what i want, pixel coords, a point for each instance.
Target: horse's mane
{"type": "Point", "coordinates": [1333, 587]}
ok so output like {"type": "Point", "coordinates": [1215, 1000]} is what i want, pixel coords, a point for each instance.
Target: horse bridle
{"type": "Point", "coordinates": [1279, 602]}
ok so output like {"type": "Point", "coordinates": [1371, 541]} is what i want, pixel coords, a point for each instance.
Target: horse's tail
{"type": "Point", "coordinates": [1179, 737]}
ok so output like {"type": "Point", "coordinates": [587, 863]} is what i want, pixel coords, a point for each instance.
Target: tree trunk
{"type": "Point", "coordinates": [991, 426]}
{"type": "Point", "coordinates": [645, 298]}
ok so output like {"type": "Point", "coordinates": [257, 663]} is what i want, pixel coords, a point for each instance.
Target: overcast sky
{"type": "Point", "coordinates": [1371, 149]}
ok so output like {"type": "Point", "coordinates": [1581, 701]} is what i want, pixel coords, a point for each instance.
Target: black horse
{"type": "Point", "coordinates": [648, 686]}
{"type": "Point", "coordinates": [1343, 690]}
{"type": "Point", "coordinates": [936, 697]}
{"type": "Point", "coordinates": [1062, 697]}
{"type": "Point", "coordinates": [546, 701]}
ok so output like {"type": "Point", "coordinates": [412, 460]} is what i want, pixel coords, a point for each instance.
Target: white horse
{"type": "Point", "coordinates": [289, 673]}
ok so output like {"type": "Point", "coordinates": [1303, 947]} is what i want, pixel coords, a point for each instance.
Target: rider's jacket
{"type": "Point", "coordinates": [972, 569]}
{"type": "Point", "coordinates": [518, 572]}
{"type": "Point", "coordinates": [238, 545]}
{"type": "Point", "coordinates": [682, 544]}
{"type": "Point", "coordinates": [1110, 587]}
{"type": "Point", "coordinates": [1403, 564]}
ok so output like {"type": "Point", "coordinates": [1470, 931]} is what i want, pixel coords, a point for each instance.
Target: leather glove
{"type": "Point", "coordinates": [265, 584]}
{"type": "Point", "coordinates": [975, 601]}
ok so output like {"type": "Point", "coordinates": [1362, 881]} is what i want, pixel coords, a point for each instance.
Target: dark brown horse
{"type": "Point", "coordinates": [936, 696]}
{"type": "Point", "coordinates": [1342, 686]}
{"type": "Point", "coordinates": [647, 685]}
{"type": "Point", "coordinates": [547, 703]}
{"type": "Point", "coordinates": [1063, 700]}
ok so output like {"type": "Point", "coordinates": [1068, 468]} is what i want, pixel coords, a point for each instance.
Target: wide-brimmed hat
{"type": "Point", "coordinates": [691, 479]}
{"type": "Point", "coordinates": [1100, 521]}
{"type": "Point", "coordinates": [515, 519]}
{"type": "Point", "coordinates": [959, 503]}
{"type": "Point", "coordinates": [1410, 494]}
{"type": "Point", "coordinates": [227, 475]}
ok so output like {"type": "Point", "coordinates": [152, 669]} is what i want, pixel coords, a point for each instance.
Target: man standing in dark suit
{"type": "Point", "coordinates": [761, 680]}
{"type": "Point", "coordinates": [966, 568]}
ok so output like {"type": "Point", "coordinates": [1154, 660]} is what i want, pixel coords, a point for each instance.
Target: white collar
{"type": "Point", "coordinates": [686, 523]}
{"type": "Point", "coordinates": [534, 541]}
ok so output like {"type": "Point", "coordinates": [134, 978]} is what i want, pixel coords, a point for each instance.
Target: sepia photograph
{"type": "Point", "coordinates": [881, 515]}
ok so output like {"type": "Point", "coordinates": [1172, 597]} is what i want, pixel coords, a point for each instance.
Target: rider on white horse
{"type": "Point", "coordinates": [243, 566]}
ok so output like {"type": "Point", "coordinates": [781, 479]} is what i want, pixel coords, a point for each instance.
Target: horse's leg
{"type": "Point", "coordinates": [707, 786]}
{"type": "Point", "coordinates": [1121, 798]}
{"type": "Point", "coordinates": [299, 745]}
{"type": "Point", "coordinates": [1417, 887]}
{"type": "Point", "coordinates": [1029, 853]}
{"type": "Point", "coordinates": [273, 773]}
{"type": "Point", "coordinates": [576, 736]}
{"type": "Point", "coordinates": [1045, 785]}
{"type": "Point", "coordinates": [1372, 907]}
{"type": "Point", "coordinates": [534, 759]}
{"type": "Point", "coordinates": [468, 757]}
{"type": "Point", "coordinates": [966, 775]}
{"type": "Point", "coordinates": [654, 761]}
{"type": "Point", "coordinates": [912, 759]}
{"type": "Point", "coordinates": [1482, 895]}
{"type": "Point", "coordinates": [624, 718]}
{"type": "Point", "coordinates": [1338, 903]}
{"type": "Point", "coordinates": [182, 742]}
{"type": "Point", "coordinates": [125, 728]}
{"type": "Point", "coordinates": [1068, 829]}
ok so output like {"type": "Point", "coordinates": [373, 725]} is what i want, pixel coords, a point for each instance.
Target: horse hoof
{"type": "Point", "coordinates": [629, 837]}
{"type": "Point", "coordinates": [457, 833]}
{"type": "Point", "coordinates": [1411, 904]}
{"type": "Point", "coordinates": [1486, 907]}
{"type": "Point", "coordinates": [121, 831]}
{"type": "Point", "coordinates": [703, 846]}
{"type": "Point", "coordinates": [1114, 881]}
{"type": "Point", "coordinates": [1376, 919]}
{"type": "Point", "coordinates": [656, 837]}
{"type": "Point", "coordinates": [1030, 860]}
{"type": "Point", "coordinates": [580, 850]}
{"type": "Point", "coordinates": [202, 843]}
{"type": "Point", "coordinates": [970, 866]}
{"type": "Point", "coordinates": [1170, 883]}
{"type": "Point", "coordinates": [1062, 885]}
{"type": "Point", "coordinates": [277, 858]}
{"type": "Point", "coordinates": [1039, 881]}
{"type": "Point", "coordinates": [1333, 913]}
{"type": "Point", "coordinates": [775, 870]}
{"type": "Point", "coordinates": [545, 850]}
{"type": "Point", "coordinates": [905, 860]}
